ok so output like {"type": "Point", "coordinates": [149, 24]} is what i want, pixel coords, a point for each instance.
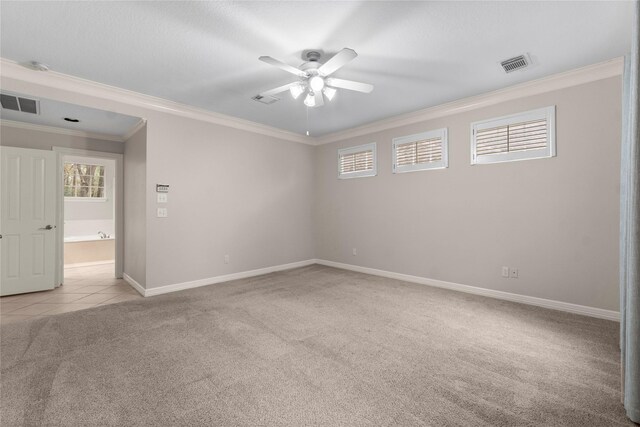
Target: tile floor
{"type": "Point", "coordinates": [84, 287]}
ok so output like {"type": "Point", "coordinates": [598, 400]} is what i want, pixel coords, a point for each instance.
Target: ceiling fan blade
{"type": "Point", "coordinates": [350, 85]}
{"type": "Point", "coordinates": [319, 99]}
{"type": "Point", "coordinates": [286, 67]}
{"type": "Point", "coordinates": [337, 61]}
{"type": "Point", "coordinates": [279, 89]}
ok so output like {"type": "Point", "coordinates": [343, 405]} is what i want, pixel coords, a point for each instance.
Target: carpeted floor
{"type": "Point", "coordinates": [311, 346]}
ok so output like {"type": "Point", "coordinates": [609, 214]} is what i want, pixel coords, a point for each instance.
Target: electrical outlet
{"type": "Point", "coordinates": [163, 197]}
{"type": "Point", "coordinates": [226, 259]}
{"type": "Point", "coordinates": [355, 252]}
{"type": "Point", "coordinates": [514, 273]}
{"type": "Point", "coordinates": [505, 271]}
{"type": "Point", "coordinates": [162, 213]}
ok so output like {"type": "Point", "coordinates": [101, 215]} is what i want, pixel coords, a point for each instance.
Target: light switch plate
{"type": "Point", "coordinates": [163, 197]}
{"type": "Point", "coordinates": [505, 271]}
{"type": "Point", "coordinates": [162, 213]}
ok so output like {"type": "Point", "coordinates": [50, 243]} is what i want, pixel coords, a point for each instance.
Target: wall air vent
{"type": "Point", "coordinates": [17, 103]}
{"type": "Point", "coordinates": [265, 99]}
{"type": "Point", "coordinates": [513, 64]}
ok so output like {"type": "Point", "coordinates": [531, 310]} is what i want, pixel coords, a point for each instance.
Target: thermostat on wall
{"type": "Point", "coordinates": [162, 188]}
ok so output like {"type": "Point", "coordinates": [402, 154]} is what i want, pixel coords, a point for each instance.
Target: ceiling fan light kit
{"type": "Point", "coordinates": [316, 83]}
{"type": "Point", "coordinates": [329, 92]}
{"type": "Point", "coordinates": [297, 90]}
{"type": "Point", "coordinates": [314, 77]}
{"type": "Point", "coordinates": [310, 100]}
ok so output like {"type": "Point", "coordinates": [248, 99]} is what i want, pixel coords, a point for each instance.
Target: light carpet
{"type": "Point", "coordinates": [311, 346]}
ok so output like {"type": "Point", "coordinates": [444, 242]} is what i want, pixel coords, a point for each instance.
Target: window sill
{"type": "Point", "coordinates": [351, 175]}
{"type": "Point", "coordinates": [86, 199]}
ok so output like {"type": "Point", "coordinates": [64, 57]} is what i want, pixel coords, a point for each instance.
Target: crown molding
{"type": "Point", "coordinates": [134, 129]}
{"type": "Point", "coordinates": [11, 70]}
{"type": "Point", "coordinates": [60, 131]}
{"type": "Point", "coordinates": [563, 80]}
{"type": "Point", "coordinates": [52, 79]}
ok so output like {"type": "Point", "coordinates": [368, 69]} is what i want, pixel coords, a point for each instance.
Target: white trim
{"type": "Point", "coordinates": [507, 296]}
{"type": "Point", "coordinates": [118, 204]}
{"type": "Point", "coordinates": [135, 285]}
{"type": "Point", "coordinates": [218, 279]}
{"type": "Point", "coordinates": [590, 73]}
{"type": "Point", "coordinates": [60, 131]}
{"type": "Point", "coordinates": [432, 134]}
{"type": "Point", "coordinates": [134, 129]}
{"type": "Point", "coordinates": [52, 79]}
{"type": "Point", "coordinates": [86, 199]}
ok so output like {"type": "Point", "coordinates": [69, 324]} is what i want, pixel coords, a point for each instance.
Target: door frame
{"type": "Point", "coordinates": [118, 206]}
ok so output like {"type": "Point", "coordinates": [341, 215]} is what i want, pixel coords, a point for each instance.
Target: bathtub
{"type": "Point", "coordinates": [88, 249]}
{"type": "Point", "coordinates": [89, 238]}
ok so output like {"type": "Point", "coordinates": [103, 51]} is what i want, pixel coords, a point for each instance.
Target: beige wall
{"type": "Point", "coordinates": [258, 212]}
{"type": "Point", "coordinates": [135, 211]}
{"type": "Point", "coordinates": [556, 219]}
{"type": "Point", "coordinates": [41, 140]}
{"type": "Point", "coordinates": [231, 192]}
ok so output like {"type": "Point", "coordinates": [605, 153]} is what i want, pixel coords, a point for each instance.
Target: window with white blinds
{"type": "Point", "coordinates": [427, 150]}
{"type": "Point", "coordinates": [355, 162]}
{"type": "Point", "coordinates": [529, 135]}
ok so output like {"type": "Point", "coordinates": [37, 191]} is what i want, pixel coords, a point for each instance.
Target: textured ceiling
{"type": "Point", "coordinates": [417, 54]}
{"type": "Point", "coordinates": [52, 113]}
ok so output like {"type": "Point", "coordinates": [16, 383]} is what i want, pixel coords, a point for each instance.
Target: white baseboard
{"type": "Point", "coordinates": [524, 299]}
{"type": "Point", "coordinates": [218, 279]}
{"type": "Point", "coordinates": [135, 285]}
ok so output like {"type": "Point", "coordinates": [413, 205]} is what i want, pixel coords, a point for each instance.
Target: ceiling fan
{"type": "Point", "coordinates": [314, 77]}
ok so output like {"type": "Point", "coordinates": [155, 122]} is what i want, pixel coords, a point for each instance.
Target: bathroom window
{"type": "Point", "coordinates": [84, 181]}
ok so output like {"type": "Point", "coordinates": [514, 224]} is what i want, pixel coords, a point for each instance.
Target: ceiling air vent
{"type": "Point", "coordinates": [513, 64]}
{"type": "Point", "coordinates": [17, 103]}
{"type": "Point", "coordinates": [265, 99]}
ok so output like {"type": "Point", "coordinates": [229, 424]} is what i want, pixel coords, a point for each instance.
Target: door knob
{"type": "Point", "coordinates": [48, 227]}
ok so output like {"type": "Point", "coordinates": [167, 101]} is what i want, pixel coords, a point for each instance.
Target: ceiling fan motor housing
{"type": "Point", "coordinates": [310, 67]}
{"type": "Point", "coordinates": [312, 55]}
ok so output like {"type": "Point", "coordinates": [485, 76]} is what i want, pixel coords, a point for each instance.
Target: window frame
{"type": "Point", "coordinates": [441, 164]}
{"type": "Point", "coordinates": [357, 149]}
{"type": "Point", "coordinates": [102, 199]}
{"type": "Point", "coordinates": [548, 113]}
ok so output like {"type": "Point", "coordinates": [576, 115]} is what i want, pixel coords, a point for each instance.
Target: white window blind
{"type": "Point", "coordinates": [427, 150]}
{"type": "Point", "coordinates": [529, 135]}
{"type": "Point", "coordinates": [357, 161]}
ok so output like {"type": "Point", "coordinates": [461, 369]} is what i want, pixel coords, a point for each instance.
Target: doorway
{"type": "Point", "coordinates": [35, 216]}
{"type": "Point", "coordinates": [90, 215]}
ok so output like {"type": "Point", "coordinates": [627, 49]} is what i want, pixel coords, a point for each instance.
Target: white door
{"type": "Point", "coordinates": [27, 220]}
